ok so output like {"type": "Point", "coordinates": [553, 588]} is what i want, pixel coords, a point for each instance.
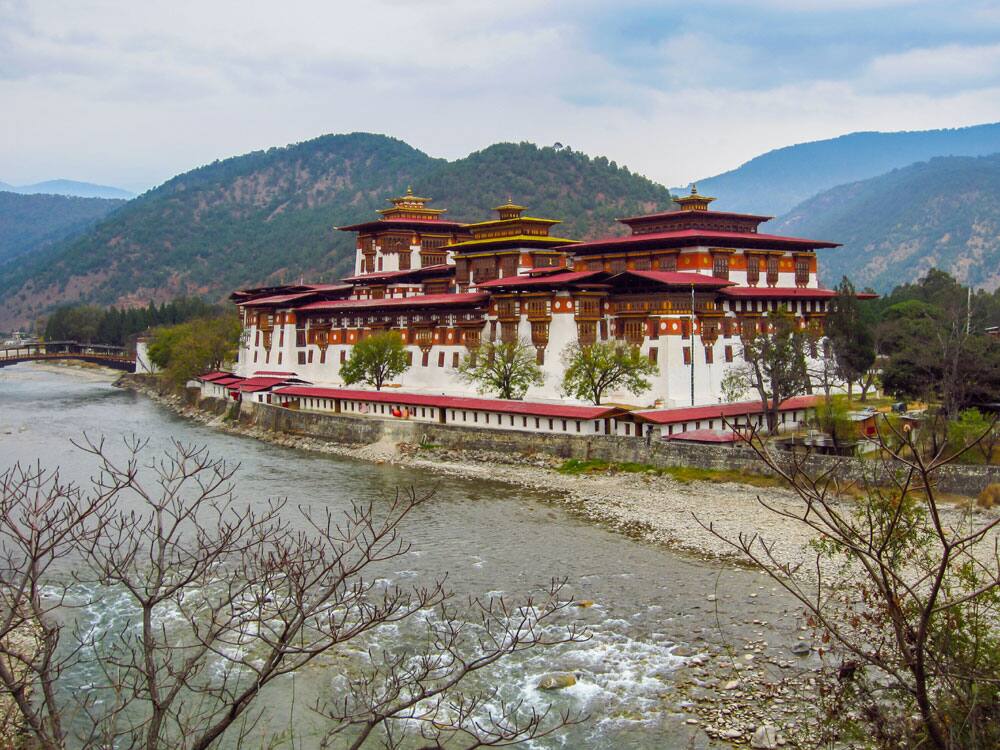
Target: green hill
{"type": "Point", "coordinates": [30, 223]}
{"type": "Point", "coordinates": [269, 216]}
{"type": "Point", "coordinates": [944, 213]}
{"type": "Point", "coordinates": [775, 182]}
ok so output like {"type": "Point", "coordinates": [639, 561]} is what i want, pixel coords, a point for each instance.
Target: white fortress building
{"type": "Point", "coordinates": [683, 285]}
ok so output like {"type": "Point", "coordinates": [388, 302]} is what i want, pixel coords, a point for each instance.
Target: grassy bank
{"type": "Point", "coordinates": [684, 474]}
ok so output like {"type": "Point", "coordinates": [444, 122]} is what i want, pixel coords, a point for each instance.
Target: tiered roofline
{"type": "Point", "coordinates": [685, 286]}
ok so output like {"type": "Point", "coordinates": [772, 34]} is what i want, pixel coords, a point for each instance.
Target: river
{"type": "Point", "coordinates": [487, 538]}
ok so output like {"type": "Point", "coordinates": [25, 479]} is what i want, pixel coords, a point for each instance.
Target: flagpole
{"type": "Point", "coordinates": [691, 330]}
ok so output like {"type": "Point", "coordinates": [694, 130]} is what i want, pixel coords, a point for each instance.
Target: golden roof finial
{"type": "Point", "coordinates": [409, 189]}
{"type": "Point", "coordinates": [694, 201]}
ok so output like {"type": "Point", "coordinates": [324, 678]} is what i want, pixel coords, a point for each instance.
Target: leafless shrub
{"type": "Point", "coordinates": [225, 598]}
{"type": "Point", "coordinates": [909, 620]}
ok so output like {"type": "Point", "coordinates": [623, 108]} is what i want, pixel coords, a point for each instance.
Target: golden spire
{"type": "Point", "coordinates": [694, 202]}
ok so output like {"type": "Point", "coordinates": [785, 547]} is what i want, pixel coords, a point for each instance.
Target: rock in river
{"type": "Point", "coordinates": [557, 681]}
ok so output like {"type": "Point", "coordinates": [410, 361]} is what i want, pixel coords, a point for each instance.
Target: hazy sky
{"type": "Point", "coordinates": [131, 93]}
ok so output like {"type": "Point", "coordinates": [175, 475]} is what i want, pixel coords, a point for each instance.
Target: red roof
{"type": "Point", "coordinates": [705, 436]}
{"type": "Point", "coordinates": [388, 224]}
{"type": "Point", "coordinates": [279, 373]}
{"type": "Point", "coordinates": [688, 237]}
{"type": "Point", "coordinates": [329, 287]}
{"type": "Point", "coordinates": [778, 292]}
{"type": "Point", "coordinates": [228, 381]}
{"type": "Point", "coordinates": [567, 277]}
{"type": "Point", "coordinates": [526, 408]}
{"type": "Point", "coordinates": [211, 377]}
{"type": "Point", "coordinates": [681, 214]}
{"type": "Point", "coordinates": [716, 411]}
{"type": "Point", "coordinates": [387, 275]}
{"type": "Point", "coordinates": [277, 299]}
{"type": "Point", "coordinates": [422, 300]}
{"type": "Point", "coordinates": [251, 385]}
{"type": "Point", "coordinates": [675, 278]}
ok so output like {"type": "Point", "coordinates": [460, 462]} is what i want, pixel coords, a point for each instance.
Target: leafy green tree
{"type": "Point", "coordinates": [506, 369]}
{"type": "Point", "coordinates": [776, 363]}
{"type": "Point", "coordinates": [973, 428]}
{"type": "Point", "coordinates": [735, 384]}
{"type": "Point", "coordinates": [932, 354]}
{"type": "Point", "coordinates": [850, 335]}
{"type": "Point", "coordinates": [188, 349]}
{"type": "Point", "coordinates": [115, 326]}
{"type": "Point", "coordinates": [833, 417]}
{"type": "Point", "coordinates": [375, 359]}
{"type": "Point", "coordinates": [592, 371]}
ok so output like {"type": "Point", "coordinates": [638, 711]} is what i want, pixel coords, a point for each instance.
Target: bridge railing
{"type": "Point", "coordinates": [65, 349]}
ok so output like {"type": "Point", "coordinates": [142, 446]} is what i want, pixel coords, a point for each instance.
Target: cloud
{"type": "Point", "coordinates": [116, 91]}
{"type": "Point", "coordinates": [940, 69]}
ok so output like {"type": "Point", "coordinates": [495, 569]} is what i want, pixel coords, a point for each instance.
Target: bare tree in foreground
{"type": "Point", "coordinates": [912, 618]}
{"type": "Point", "coordinates": [222, 599]}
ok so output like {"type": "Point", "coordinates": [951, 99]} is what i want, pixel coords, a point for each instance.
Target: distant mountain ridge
{"type": "Point", "coordinates": [71, 188]}
{"type": "Point", "coordinates": [32, 223]}
{"type": "Point", "coordinates": [775, 182]}
{"type": "Point", "coordinates": [270, 215]}
{"type": "Point", "coordinates": [943, 213]}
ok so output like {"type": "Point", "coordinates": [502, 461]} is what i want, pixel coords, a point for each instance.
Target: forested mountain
{"type": "Point", "coordinates": [269, 216]}
{"type": "Point", "coordinates": [775, 182]}
{"type": "Point", "coordinates": [944, 213]}
{"type": "Point", "coordinates": [30, 223]}
{"type": "Point", "coordinates": [69, 187]}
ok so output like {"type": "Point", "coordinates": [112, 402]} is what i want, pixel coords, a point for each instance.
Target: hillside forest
{"type": "Point", "coordinates": [271, 216]}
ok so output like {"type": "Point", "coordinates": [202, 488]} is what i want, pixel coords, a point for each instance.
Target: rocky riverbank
{"type": "Point", "coordinates": [655, 507]}
{"type": "Point", "coordinates": [19, 646]}
{"type": "Point", "coordinates": [750, 673]}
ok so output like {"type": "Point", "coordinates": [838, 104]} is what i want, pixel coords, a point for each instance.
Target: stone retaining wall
{"type": "Point", "coordinates": [963, 480]}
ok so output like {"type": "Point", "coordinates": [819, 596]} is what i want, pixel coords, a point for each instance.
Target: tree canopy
{"type": "Point", "coordinates": [592, 371]}
{"type": "Point", "coordinates": [375, 360]}
{"type": "Point", "coordinates": [776, 363]}
{"type": "Point", "coordinates": [506, 369]}
{"type": "Point", "coordinates": [188, 349]}
{"type": "Point", "coordinates": [90, 324]}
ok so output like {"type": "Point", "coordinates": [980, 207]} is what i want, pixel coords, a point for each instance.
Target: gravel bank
{"type": "Point", "coordinates": [655, 508]}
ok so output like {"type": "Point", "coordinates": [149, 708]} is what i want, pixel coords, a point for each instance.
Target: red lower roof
{"type": "Point", "coordinates": [526, 408]}
{"type": "Point", "coordinates": [673, 278]}
{"type": "Point", "coordinates": [421, 300]}
{"type": "Point", "coordinates": [277, 299]}
{"type": "Point", "coordinates": [210, 377]}
{"type": "Point", "coordinates": [516, 282]}
{"type": "Point", "coordinates": [379, 276]}
{"type": "Point", "coordinates": [716, 411]}
{"type": "Point", "coordinates": [428, 225]}
{"type": "Point", "coordinates": [705, 436]}
{"type": "Point", "coordinates": [251, 385]}
{"type": "Point", "coordinates": [778, 292]}
{"type": "Point", "coordinates": [690, 237]}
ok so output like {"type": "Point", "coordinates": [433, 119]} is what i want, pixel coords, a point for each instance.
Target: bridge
{"type": "Point", "coordinates": [114, 357]}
